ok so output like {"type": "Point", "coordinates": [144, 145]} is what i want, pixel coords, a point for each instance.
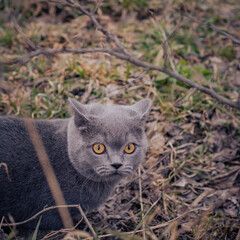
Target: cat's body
{"type": "Point", "coordinates": [85, 177]}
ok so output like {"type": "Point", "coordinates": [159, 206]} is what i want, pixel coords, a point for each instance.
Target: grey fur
{"type": "Point", "coordinates": [84, 176]}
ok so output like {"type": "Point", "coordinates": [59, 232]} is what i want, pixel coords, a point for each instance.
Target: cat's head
{"type": "Point", "coordinates": [107, 143]}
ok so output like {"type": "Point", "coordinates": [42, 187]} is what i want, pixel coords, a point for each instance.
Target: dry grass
{"type": "Point", "coordinates": [189, 185]}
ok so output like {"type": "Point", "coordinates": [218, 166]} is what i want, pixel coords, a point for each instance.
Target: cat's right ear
{"type": "Point", "coordinates": [80, 113]}
{"type": "Point", "coordinates": [143, 108]}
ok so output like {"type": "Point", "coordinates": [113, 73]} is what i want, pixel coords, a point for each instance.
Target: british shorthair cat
{"type": "Point", "coordinates": [89, 152]}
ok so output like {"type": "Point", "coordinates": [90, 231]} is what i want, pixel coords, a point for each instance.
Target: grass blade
{"type": "Point", "coordinates": [34, 237]}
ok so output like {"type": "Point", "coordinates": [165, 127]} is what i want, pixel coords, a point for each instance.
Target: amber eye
{"type": "Point", "coordinates": [129, 148]}
{"type": "Point", "coordinates": [98, 148]}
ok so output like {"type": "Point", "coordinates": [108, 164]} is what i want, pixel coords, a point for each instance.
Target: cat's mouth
{"type": "Point", "coordinates": [106, 173]}
{"type": "Point", "coordinates": [113, 175]}
{"type": "Point", "coordinates": [117, 174]}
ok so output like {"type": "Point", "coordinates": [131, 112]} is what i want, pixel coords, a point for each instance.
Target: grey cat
{"type": "Point", "coordinates": [90, 152]}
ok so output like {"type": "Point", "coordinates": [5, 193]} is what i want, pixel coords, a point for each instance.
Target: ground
{"type": "Point", "coordinates": [188, 187]}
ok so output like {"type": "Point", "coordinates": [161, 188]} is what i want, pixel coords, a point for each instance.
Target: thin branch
{"type": "Point", "coordinates": [1, 222]}
{"type": "Point", "coordinates": [3, 164]}
{"type": "Point", "coordinates": [86, 220]}
{"type": "Point", "coordinates": [185, 99]}
{"type": "Point", "coordinates": [162, 225]}
{"type": "Point", "coordinates": [165, 53]}
{"type": "Point", "coordinates": [165, 45]}
{"type": "Point", "coordinates": [208, 91]}
{"type": "Point", "coordinates": [141, 75]}
{"type": "Point", "coordinates": [99, 3]}
{"type": "Point", "coordinates": [141, 202]}
{"type": "Point", "coordinates": [22, 60]}
{"type": "Point", "coordinates": [38, 214]}
{"type": "Point", "coordinates": [17, 62]}
{"type": "Point", "coordinates": [30, 44]}
{"type": "Point", "coordinates": [145, 215]}
{"type": "Point", "coordinates": [176, 28]}
{"type": "Point", "coordinates": [109, 36]}
{"type": "Point", "coordinates": [52, 208]}
{"type": "Point", "coordinates": [213, 27]}
{"type": "Point", "coordinates": [130, 58]}
{"type": "Point", "coordinates": [89, 225]}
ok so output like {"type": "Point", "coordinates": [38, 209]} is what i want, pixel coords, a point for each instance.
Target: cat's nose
{"type": "Point", "coordinates": [116, 165]}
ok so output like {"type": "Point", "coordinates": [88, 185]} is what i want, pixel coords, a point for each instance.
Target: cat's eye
{"type": "Point", "coordinates": [130, 147]}
{"type": "Point", "coordinates": [98, 148]}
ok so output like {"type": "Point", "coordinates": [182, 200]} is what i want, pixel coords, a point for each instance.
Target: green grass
{"type": "Point", "coordinates": [229, 52]}
{"type": "Point", "coordinates": [40, 89]}
{"type": "Point", "coordinates": [6, 37]}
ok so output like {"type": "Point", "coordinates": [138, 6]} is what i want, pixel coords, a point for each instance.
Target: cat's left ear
{"type": "Point", "coordinates": [143, 108]}
{"type": "Point", "coordinates": [80, 113]}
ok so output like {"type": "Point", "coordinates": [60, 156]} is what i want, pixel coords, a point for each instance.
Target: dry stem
{"type": "Point", "coordinates": [39, 214]}
{"type": "Point", "coordinates": [141, 201]}
{"type": "Point", "coordinates": [106, 235]}
{"type": "Point", "coordinates": [213, 27]}
{"type": "Point", "coordinates": [114, 52]}
{"type": "Point", "coordinates": [49, 173]}
{"type": "Point", "coordinates": [51, 208]}
{"type": "Point", "coordinates": [159, 225]}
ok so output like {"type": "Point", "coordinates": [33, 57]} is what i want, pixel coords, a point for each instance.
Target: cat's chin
{"type": "Point", "coordinates": [112, 177]}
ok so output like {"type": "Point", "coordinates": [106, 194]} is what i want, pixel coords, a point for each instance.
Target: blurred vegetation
{"type": "Point", "coordinates": [40, 89]}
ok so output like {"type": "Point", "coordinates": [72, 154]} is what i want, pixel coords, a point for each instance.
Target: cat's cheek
{"type": "Point", "coordinates": [139, 158]}
{"type": "Point", "coordinates": [134, 160]}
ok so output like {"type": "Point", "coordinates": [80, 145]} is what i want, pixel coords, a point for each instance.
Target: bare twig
{"type": "Point", "coordinates": [99, 2]}
{"type": "Point", "coordinates": [162, 225]}
{"type": "Point", "coordinates": [30, 44]}
{"type": "Point", "coordinates": [144, 216]}
{"type": "Point", "coordinates": [39, 214]}
{"type": "Point", "coordinates": [173, 158]}
{"type": "Point", "coordinates": [165, 53]}
{"type": "Point", "coordinates": [141, 201]}
{"type": "Point", "coordinates": [17, 62]}
{"type": "Point", "coordinates": [87, 222]}
{"type": "Point", "coordinates": [109, 36]}
{"type": "Point", "coordinates": [52, 208]}
{"type": "Point", "coordinates": [190, 93]}
{"type": "Point", "coordinates": [213, 27]}
{"type": "Point", "coordinates": [1, 222]}
{"type": "Point", "coordinates": [141, 75]}
{"type": "Point", "coordinates": [3, 164]}
{"type": "Point", "coordinates": [23, 60]}
{"type": "Point", "coordinates": [165, 45]}
{"type": "Point", "coordinates": [176, 28]}
{"type": "Point", "coordinates": [54, 233]}
{"type": "Point", "coordinates": [106, 235]}
{"type": "Point", "coordinates": [77, 234]}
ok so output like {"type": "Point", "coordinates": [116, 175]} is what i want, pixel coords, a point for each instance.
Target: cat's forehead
{"type": "Point", "coordinates": [117, 131]}
{"type": "Point", "coordinates": [114, 122]}
{"type": "Point", "coordinates": [100, 110]}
